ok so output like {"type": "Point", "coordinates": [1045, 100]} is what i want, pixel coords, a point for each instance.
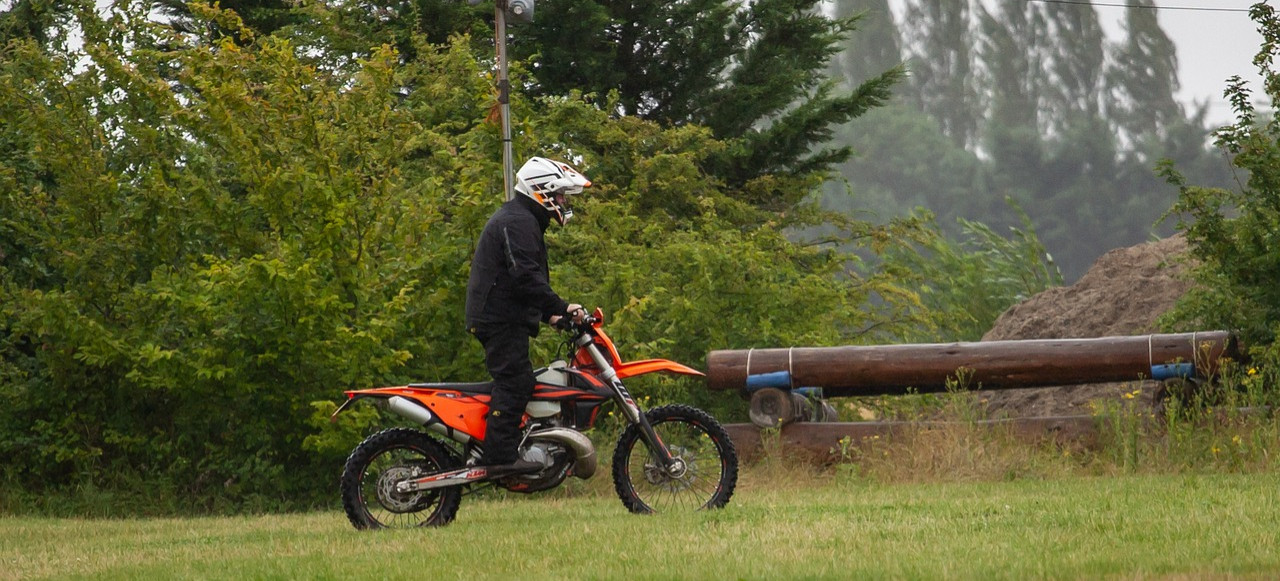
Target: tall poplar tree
{"type": "Point", "coordinates": [939, 43]}
{"type": "Point", "coordinates": [1144, 79]}
{"type": "Point", "coordinates": [875, 47]}
{"type": "Point", "coordinates": [1075, 62]}
{"type": "Point", "coordinates": [1011, 66]}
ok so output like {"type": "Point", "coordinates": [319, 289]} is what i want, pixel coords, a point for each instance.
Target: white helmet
{"type": "Point", "coordinates": [549, 183]}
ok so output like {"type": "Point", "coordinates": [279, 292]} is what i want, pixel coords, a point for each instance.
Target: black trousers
{"type": "Point", "coordinates": [506, 355]}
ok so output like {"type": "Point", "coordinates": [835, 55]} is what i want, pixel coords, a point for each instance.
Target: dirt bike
{"type": "Point", "coordinates": [668, 458]}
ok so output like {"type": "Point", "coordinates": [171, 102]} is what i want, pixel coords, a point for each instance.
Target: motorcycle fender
{"type": "Point", "coordinates": [333, 419]}
{"type": "Point", "coordinates": [377, 393]}
{"type": "Point", "coordinates": [635, 368]}
{"type": "Point", "coordinates": [465, 412]}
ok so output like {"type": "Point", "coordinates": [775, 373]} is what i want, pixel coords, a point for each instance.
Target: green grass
{"type": "Point", "coordinates": [1148, 526]}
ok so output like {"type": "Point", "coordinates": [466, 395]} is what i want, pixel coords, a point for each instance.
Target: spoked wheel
{"type": "Point", "coordinates": [369, 480]}
{"type": "Point", "coordinates": [705, 473]}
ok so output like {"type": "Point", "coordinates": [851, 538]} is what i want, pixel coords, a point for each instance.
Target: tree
{"type": "Point", "coordinates": [904, 160]}
{"type": "Point", "coordinates": [969, 282]}
{"type": "Point", "coordinates": [31, 19]}
{"type": "Point", "coordinates": [1076, 88]}
{"type": "Point", "coordinates": [942, 66]}
{"type": "Point", "coordinates": [261, 16]}
{"type": "Point", "coordinates": [873, 48]}
{"type": "Point", "coordinates": [1233, 232]}
{"type": "Point", "coordinates": [1144, 79]}
{"type": "Point", "coordinates": [752, 73]}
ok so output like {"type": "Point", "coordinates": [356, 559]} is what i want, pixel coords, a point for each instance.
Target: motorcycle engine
{"type": "Point", "coordinates": [554, 458]}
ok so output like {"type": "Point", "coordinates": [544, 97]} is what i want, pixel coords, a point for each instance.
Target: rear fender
{"type": "Point", "coordinates": [383, 393]}
{"type": "Point", "coordinates": [459, 416]}
{"type": "Point", "coordinates": [635, 368]}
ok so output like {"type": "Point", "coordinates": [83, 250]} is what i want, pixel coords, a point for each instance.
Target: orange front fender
{"type": "Point", "coordinates": [651, 365]}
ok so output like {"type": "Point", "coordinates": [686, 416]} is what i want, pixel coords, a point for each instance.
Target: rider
{"type": "Point", "coordinates": [509, 293]}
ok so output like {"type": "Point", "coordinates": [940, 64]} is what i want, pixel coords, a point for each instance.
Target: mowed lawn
{"type": "Point", "coordinates": [1131, 527]}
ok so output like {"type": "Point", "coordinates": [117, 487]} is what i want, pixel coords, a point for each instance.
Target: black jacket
{"type": "Point", "coordinates": [510, 282]}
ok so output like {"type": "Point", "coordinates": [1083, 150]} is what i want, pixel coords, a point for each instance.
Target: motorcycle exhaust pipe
{"type": "Point", "coordinates": [581, 446]}
{"type": "Point", "coordinates": [423, 416]}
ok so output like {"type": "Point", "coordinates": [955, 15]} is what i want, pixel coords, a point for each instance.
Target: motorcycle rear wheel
{"type": "Point", "coordinates": [710, 463]}
{"type": "Point", "coordinates": [373, 468]}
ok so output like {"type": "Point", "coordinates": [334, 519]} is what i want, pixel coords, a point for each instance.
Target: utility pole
{"type": "Point", "coordinates": [521, 10]}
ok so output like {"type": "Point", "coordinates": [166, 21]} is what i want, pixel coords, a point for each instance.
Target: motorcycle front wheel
{"type": "Point", "coordinates": [707, 467]}
{"type": "Point", "coordinates": [368, 484]}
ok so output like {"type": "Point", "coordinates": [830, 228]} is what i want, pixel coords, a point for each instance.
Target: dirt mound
{"type": "Point", "coordinates": [1123, 293]}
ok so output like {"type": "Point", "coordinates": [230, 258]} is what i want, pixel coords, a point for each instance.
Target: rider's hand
{"type": "Point", "coordinates": [576, 311]}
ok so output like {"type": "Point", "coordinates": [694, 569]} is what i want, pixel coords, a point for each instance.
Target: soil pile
{"type": "Point", "coordinates": [1123, 293]}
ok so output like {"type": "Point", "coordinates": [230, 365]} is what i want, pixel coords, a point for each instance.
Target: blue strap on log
{"type": "Point", "coordinates": [1172, 370]}
{"type": "Point", "coordinates": [778, 379]}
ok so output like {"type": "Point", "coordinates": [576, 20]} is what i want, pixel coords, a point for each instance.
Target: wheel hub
{"type": "Point", "coordinates": [394, 500]}
{"type": "Point", "coordinates": [671, 478]}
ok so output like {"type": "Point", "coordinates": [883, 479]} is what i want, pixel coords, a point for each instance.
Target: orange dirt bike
{"type": "Point", "coordinates": [668, 458]}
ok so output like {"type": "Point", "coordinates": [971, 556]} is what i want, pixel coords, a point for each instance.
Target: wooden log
{"type": "Point", "coordinates": [924, 368]}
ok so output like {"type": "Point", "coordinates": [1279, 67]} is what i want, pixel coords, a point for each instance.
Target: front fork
{"type": "Point", "coordinates": [657, 449]}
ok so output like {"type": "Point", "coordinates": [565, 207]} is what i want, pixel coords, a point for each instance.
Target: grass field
{"type": "Point", "coordinates": [1129, 527]}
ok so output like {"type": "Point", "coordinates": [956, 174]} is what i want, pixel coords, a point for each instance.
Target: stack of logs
{"type": "Point", "coordinates": [767, 375]}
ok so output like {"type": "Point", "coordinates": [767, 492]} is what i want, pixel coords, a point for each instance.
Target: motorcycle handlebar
{"type": "Point", "coordinates": [566, 322]}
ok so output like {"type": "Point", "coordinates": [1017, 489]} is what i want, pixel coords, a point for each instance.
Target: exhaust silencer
{"type": "Point", "coordinates": [423, 416]}
{"type": "Point", "coordinates": [581, 446]}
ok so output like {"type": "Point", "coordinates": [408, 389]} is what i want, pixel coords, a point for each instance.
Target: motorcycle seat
{"type": "Point", "coordinates": [481, 388]}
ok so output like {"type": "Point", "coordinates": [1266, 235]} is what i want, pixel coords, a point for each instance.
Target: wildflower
{"type": "Point", "coordinates": [1236, 440]}
{"type": "Point", "coordinates": [1253, 371]}
{"type": "Point", "coordinates": [1216, 450]}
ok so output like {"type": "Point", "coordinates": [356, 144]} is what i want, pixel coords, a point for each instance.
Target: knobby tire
{"type": "Point", "coordinates": [360, 497]}
{"type": "Point", "coordinates": [691, 434]}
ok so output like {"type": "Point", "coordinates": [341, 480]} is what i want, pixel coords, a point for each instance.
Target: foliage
{"type": "Point", "coordinates": [203, 235]}
{"type": "Point", "coordinates": [184, 270]}
{"type": "Point", "coordinates": [30, 19]}
{"type": "Point", "coordinates": [260, 16]}
{"type": "Point", "coordinates": [751, 72]}
{"type": "Point", "coordinates": [873, 47]}
{"type": "Point", "coordinates": [1233, 232]}
{"type": "Point", "coordinates": [967, 284]}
